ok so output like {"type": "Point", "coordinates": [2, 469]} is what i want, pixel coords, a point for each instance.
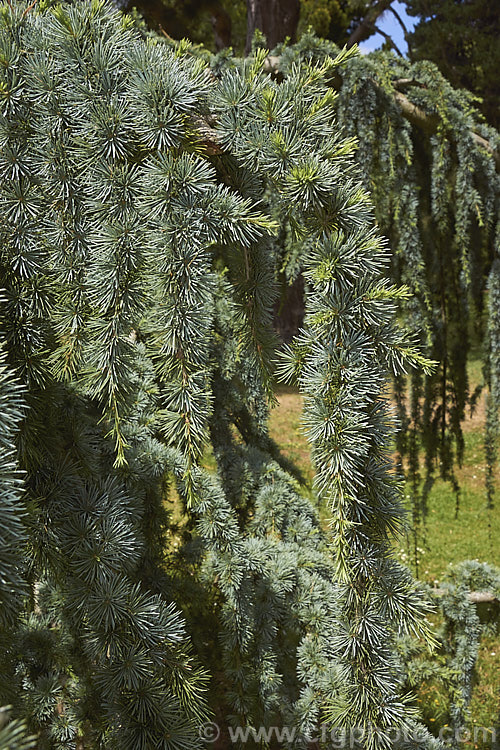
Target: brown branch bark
{"type": "Point", "coordinates": [404, 83]}
{"type": "Point", "coordinates": [209, 137]}
{"type": "Point", "coordinates": [476, 597]}
{"type": "Point", "coordinates": [365, 28]}
{"type": "Point", "coordinates": [415, 115]}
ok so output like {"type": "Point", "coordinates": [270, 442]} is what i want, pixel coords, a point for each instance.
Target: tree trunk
{"type": "Point", "coordinates": [276, 19]}
{"type": "Point", "coordinates": [221, 24]}
{"type": "Point", "coordinates": [289, 310]}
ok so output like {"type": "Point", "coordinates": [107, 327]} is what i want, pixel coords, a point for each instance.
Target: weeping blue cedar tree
{"type": "Point", "coordinates": [432, 166]}
{"type": "Point", "coordinates": [139, 260]}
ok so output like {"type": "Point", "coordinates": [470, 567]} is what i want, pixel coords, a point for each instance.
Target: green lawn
{"type": "Point", "coordinates": [445, 539]}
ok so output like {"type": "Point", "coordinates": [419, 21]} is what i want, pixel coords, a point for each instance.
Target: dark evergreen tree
{"type": "Point", "coordinates": [461, 38]}
{"type": "Point", "coordinates": [219, 24]}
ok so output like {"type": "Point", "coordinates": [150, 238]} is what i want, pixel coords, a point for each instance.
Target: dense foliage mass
{"type": "Point", "coordinates": [145, 206]}
{"type": "Point", "coordinates": [432, 168]}
{"type": "Point", "coordinates": [431, 164]}
{"type": "Point", "coordinates": [461, 38]}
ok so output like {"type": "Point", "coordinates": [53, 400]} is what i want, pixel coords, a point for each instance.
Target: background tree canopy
{"type": "Point", "coordinates": [462, 39]}
{"type": "Point", "coordinates": [459, 37]}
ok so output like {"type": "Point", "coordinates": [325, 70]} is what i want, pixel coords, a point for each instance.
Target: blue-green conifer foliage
{"type": "Point", "coordinates": [141, 206]}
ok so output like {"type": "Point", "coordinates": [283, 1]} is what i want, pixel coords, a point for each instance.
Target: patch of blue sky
{"type": "Point", "coordinates": [390, 24]}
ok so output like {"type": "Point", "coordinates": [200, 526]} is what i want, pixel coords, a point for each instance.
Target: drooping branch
{"type": "Point", "coordinates": [400, 21]}
{"type": "Point", "coordinates": [414, 114]}
{"type": "Point", "coordinates": [429, 123]}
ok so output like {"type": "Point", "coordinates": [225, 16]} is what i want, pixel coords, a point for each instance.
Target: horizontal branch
{"type": "Point", "coordinates": [402, 83]}
{"type": "Point", "coordinates": [365, 28]}
{"type": "Point", "coordinates": [476, 597]}
{"type": "Point", "coordinates": [417, 116]}
{"type": "Point", "coordinates": [430, 123]}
